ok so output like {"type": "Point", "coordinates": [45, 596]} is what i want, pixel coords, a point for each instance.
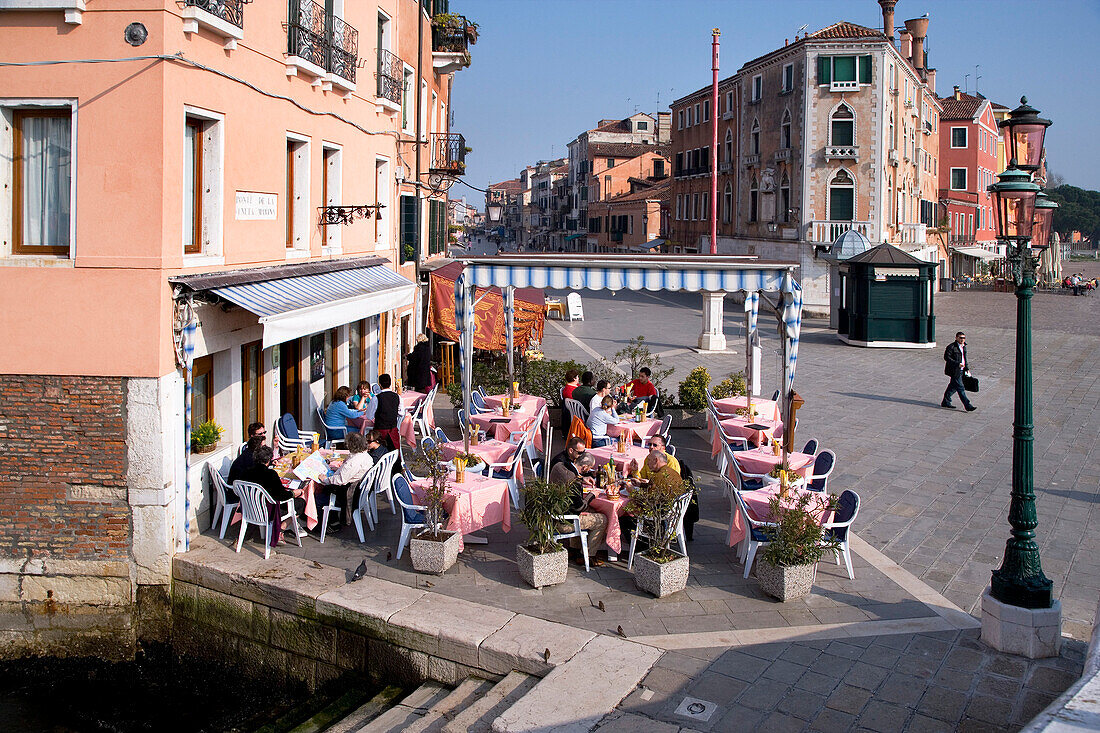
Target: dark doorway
{"type": "Point", "coordinates": [290, 361]}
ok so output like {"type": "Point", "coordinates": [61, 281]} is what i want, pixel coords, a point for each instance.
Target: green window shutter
{"type": "Point", "coordinates": [824, 69]}
{"type": "Point", "coordinates": [844, 68]}
{"type": "Point", "coordinates": [864, 69]}
{"type": "Point", "coordinates": [842, 132]}
{"type": "Point", "coordinates": [842, 204]}
{"type": "Point", "coordinates": [408, 228]}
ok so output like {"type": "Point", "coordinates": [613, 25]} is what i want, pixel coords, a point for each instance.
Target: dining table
{"type": "Point", "coordinates": [474, 504]}
{"type": "Point", "coordinates": [291, 478]}
{"type": "Point", "coordinates": [644, 430]}
{"type": "Point", "coordinates": [490, 450]}
{"type": "Point", "coordinates": [768, 409]}
{"type": "Point", "coordinates": [622, 460]}
{"type": "Point", "coordinates": [527, 404]}
{"type": "Point", "coordinates": [762, 430]}
{"type": "Point", "coordinates": [410, 399]}
{"type": "Point", "coordinates": [612, 508]}
{"type": "Point", "coordinates": [496, 425]}
{"type": "Point", "coordinates": [758, 503]}
{"type": "Point", "coordinates": [763, 460]}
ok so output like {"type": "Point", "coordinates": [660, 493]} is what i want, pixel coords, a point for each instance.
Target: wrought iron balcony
{"type": "Point", "coordinates": [450, 34]}
{"type": "Point", "coordinates": [231, 11]}
{"type": "Point", "coordinates": [448, 153]}
{"type": "Point", "coordinates": [391, 69]}
{"type": "Point", "coordinates": [326, 42]}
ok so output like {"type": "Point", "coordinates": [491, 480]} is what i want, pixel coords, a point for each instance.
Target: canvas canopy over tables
{"type": "Point", "coordinates": [709, 274]}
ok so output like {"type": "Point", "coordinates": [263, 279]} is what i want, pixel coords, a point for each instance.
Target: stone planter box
{"type": "Point", "coordinates": [549, 568]}
{"type": "Point", "coordinates": [661, 578]}
{"type": "Point", "coordinates": [687, 419]}
{"type": "Point", "coordinates": [434, 556]}
{"type": "Point", "coordinates": [786, 583]}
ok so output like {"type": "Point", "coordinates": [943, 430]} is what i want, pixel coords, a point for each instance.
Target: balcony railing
{"type": "Point", "coordinates": [450, 34]}
{"type": "Point", "coordinates": [782, 154]}
{"type": "Point", "coordinates": [327, 42]}
{"type": "Point", "coordinates": [231, 11]}
{"type": "Point", "coordinates": [448, 153]}
{"type": "Point", "coordinates": [913, 233]}
{"type": "Point", "coordinates": [842, 152]}
{"type": "Point", "coordinates": [843, 86]}
{"type": "Point", "coordinates": [391, 69]}
{"type": "Point", "coordinates": [827, 231]}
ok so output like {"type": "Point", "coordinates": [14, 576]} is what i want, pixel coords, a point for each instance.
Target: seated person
{"type": "Point", "coordinates": [339, 415]}
{"type": "Point", "coordinates": [257, 428]}
{"type": "Point", "coordinates": [362, 396]}
{"type": "Point", "coordinates": [584, 393]}
{"type": "Point", "coordinates": [263, 474]}
{"type": "Point", "coordinates": [643, 390]}
{"type": "Point", "coordinates": [345, 480]}
{"type": "Point", "coordinates": [657, 443]}
{"type": "Point", "coordinates": [572, 381]}
{"type": "Point", "coordinates": [375, 445]}
{"type": "Point", "coordinates": [387, 412]}
{"type": "Point", "coordinates": [603, 389]}
{"type": "Point", "coordinates": [572, 467]}
{"type": "Point", "coordinates": [660, 472]}
{"type": "Point", "coordinates": [243, 462]}
{"type": "Point", "coordinates": [599, 419]}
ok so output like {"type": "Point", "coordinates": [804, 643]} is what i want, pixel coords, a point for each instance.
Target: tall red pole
{"type": "Point", "coordinates": [715, 33]}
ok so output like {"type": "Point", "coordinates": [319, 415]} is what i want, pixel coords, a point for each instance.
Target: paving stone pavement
{"type": "Point", "coordinates": [945, 681]}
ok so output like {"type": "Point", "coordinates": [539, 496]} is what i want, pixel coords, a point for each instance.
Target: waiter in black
{"type": "Point", "coordinates": [388, 412]}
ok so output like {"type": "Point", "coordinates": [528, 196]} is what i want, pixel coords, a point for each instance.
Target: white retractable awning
{"type": "Point", "coordinates": [976, 253]}
{"type": "Point", "coordinates": [293, 307]}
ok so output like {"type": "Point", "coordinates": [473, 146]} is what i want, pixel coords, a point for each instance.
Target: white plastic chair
{"type": "Point", "coordinates": [574, 307]}
{"type": "Point", "coordinates": [754, 533]}
{"type": "Point", "coordinates": [840, 530]}
{"type": "Point", "coordinates": [575, 520]}
{"type": "Point", "coordinates": [680, 509]}
{"type": "Point", "coordinates": [824, 462]}
{"type": "Point", "coordinates": [254, 503]}
{"type": "Point", "coordinates": [331, 428]}
{"type": "Point", "coordinates": [222, 508]}
{"type": "Point", "coordinates": [363, 505]}
{"type": "Point", "coordinates": [288, 444]}
{"type": "Point", "coordinates": [382, 482]}
{"type": "Point", "coordinates": [410, 512]}
{"type": "Point", "coordinates": [509, 469]}
{"type": "Point", "coordinates": [747, 481]}
{"type": "Point", "coordinates": [576, 409]}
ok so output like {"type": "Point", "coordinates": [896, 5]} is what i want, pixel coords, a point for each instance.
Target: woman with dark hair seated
{"type": "Point", "coordinates": [261, 472]}
{"type": "Point", "coordinates": [339, 415]}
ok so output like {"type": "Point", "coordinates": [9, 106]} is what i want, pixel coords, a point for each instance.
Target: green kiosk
{"type": "Point", "coordinates": [886, 300]}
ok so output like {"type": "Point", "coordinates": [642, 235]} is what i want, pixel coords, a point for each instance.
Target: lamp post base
{"type": "Point", "coordinates": [1030, 632]}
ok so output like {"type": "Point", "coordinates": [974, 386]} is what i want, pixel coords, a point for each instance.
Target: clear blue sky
{"type": "Point", "coordinates": [545, 70]}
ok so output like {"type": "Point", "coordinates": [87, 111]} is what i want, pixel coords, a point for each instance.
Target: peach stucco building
{"type": "Point", "coordinates": [165, 160]}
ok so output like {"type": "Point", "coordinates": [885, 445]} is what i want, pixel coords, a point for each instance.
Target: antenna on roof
{"type": "Point", "coordinates": [976, 77]}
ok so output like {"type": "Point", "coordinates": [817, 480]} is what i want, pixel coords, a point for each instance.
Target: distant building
{"type": "Point", "coordinates": [834, 131]}
{"type": "Point", "coordinates": [630, 222]}
{"type": "Point", "coordinates": [508, 194]}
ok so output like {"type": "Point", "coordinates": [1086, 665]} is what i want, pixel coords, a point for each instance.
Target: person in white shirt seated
{"type": "Point", "coordinates": [603, 389]}
{"type": "Point", "coordinates": [599, 418]}
{"type": "Point", "coordinates": [345, 480]}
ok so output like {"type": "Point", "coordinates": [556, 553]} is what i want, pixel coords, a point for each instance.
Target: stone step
{"type": "Point", "coordinates": [478, 716]}
{"type": "Point", "coordinates": [408, 711]}
{"type": "Point", "coordinates": [442, 712]}
{"type": "Point", "coordinates": [366, 712]}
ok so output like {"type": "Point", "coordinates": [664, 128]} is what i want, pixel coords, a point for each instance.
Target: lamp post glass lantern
{"type": "Point", "coordinates": [494, 212]}
{"type": "Point", "coordinates": [1044, 221]}
{"type": "Point", "coordinates": [1020, 580]}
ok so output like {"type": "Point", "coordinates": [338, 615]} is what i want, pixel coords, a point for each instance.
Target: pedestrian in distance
{"type": "Point", "coordinates": [956, 364]}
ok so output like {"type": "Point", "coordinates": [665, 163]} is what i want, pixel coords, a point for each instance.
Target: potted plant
{"type": "Point", "coordinates": [434, 550]}
{"type": "Point", "coordinates": [691, 412]}
{"type": "Point", "coordinates": [205, 436]}
{"type": "Point", "coordinates": [543, 561]}
{"type": "Point", "coordinates": [658, 570]}
{"type": "Point", "coordinates": [731, 386]}
{"type": "Point", "coordinates": [787, 566]}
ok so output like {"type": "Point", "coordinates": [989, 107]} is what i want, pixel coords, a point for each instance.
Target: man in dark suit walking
{"type": "Point", "coordinates": [956, 363]}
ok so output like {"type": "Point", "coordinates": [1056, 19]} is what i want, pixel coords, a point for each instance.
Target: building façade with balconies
{"type": "Point", "coordinates": [836, 130]}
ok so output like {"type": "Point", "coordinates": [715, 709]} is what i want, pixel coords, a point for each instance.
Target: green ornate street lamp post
{"type": "Point", "coordinates": [1020, 580]}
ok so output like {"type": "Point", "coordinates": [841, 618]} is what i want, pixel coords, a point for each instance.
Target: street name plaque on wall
{"type": "Point", "coordinates": [255, 205]}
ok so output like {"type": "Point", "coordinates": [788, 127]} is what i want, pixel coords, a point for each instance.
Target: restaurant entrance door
{"type": "Point", "coordinates": [290, 395]}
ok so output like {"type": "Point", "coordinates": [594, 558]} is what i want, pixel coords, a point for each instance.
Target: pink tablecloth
{"type": "Point", "coordinates": [766, 408]}
{"type": "Point", "coordinates": [612, 509]}
{"type": "Point", "coordinates": [644, 430]}
{"type": "Point", "coordinates": [525, 403]}
{"type": "Point", "coordinates": [474, 504]}
{"type": "Point", "coordinates": [757, 503]}
{"type": "Point", "coordinates": [761, 460]}
{"type": "Point", "coordinates": [502, 430]}
{"type": "Point", "coordinates": [490, 451]}
{"type": "Point", "coordinates": [610, 453]}
{"type": "Point", "coordinates": [410, 398]}
{"type": "Point", "coordinates": [735, 427]}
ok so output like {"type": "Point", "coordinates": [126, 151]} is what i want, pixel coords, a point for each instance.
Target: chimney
{"type": "Point", "coordinates": [957, 96]}
{"type": "Point", "coordinates": [918, 27]}
{"type": "Point", "coordinates": [888, 17]}
{"type": "Point", "coordinates": [906, 45]}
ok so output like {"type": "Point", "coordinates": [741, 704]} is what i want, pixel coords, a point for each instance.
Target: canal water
{"type": "Point", "coordinates": [156, 692]}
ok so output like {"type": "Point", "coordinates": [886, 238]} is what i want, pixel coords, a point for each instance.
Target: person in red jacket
{"type": "Point", "coordinates": [643, 390]}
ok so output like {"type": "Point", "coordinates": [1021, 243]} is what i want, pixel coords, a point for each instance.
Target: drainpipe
{"type": "Point", "coordinates": [715, 33]}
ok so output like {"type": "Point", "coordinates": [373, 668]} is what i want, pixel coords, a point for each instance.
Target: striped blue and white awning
{"type": "Point", "coordinates": [292, 307]}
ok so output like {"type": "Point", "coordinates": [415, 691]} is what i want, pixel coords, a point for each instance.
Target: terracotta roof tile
{"type": "Point", "coordinates": [510, 187]}
{"type": "Point", "coordinates": [963, 108]}
{"type": "Point", "coordinates": [624, 150]}
{"type": "Point", "coordinates": [661, 191]}
{"type": "Point", "coordinates": [844, 29]}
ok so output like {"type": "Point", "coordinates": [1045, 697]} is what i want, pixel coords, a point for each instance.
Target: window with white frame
{"type": "Point", "coordinates": [958, 137]}
{"type": "Point", "coordinates": [785, 130]}
{"type": "Point", "coordinates": [694, 207]}
{"type": "Point", "coordinates": [754, 199]}
{"type": "Point", "coordinates": [842, 197]}
{"type": "Point", "coordinates": [842, 126]}
{"type": "Point", "coordinates": [297, 193]}
{"type": "Point", "coordinates": [690, 116]}
{"type": "Point", "coordinates": [958, 179]}
{"type": "Point", "coordinates": [37, 200]}
{"type": "Point", "coordinates": [757, 88]}
{"type": "Point", "coordinates": [202, 183]}
{"type": "Point", "coordinates": [408, 83]}
{"type": "Point", "coordinates": [331, 190]}
{"type": "Point", "coordinates": [729, 102]}
{"type": "Point", "coordinates": [680, 120]}
{"type": "Point", "coordinates": [698, 114]}
{"type": "Point", "coordinates": [727, 204]}
{"type": "Point", "coordinates": [788, 78]}
{"type": "Point", "coordinates": [785, 199]}
{"type": "Point", "coordinates": [729, 146]}
{"type": "Point", "coordinates": [754, 138]}
{"type": "Point", "coordinates": [383, 192]}
{"type": "Point", "coordinates": [706, 110]}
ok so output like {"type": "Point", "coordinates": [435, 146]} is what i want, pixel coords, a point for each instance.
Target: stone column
{"type": "Point", "coordinates": [712, 338]}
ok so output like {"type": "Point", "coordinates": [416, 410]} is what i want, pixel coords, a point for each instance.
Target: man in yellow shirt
{"type": "Point", "coordinates": [657, 443]}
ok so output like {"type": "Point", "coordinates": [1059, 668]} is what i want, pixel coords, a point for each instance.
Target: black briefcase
{"type": "Point", "coordinates": [970, 382]}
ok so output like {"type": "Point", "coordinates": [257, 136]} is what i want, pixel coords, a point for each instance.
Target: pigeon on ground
{"type": "Point", "coordinates": [546, 655]}
{"type": "Point", "coordinates": [317, 564]}
{"type": "Point", "coordinates": [601, 607]}
{"type": "Point", "coordinates": [359, 572]}
{"type": "Point", "coordinates": [620, 632]}
{"type": "Point", "coordinates": [389, 556]}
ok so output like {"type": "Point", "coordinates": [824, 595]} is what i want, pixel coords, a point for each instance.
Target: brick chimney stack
{"type": "Point", "coordinates": [888, 17]}
{"type": "Point", "coordinates": [918, 27]}
{"type": "Point", "coordinates": [906, 43]}
{"type": "Point", "coordinates": [957, 95]}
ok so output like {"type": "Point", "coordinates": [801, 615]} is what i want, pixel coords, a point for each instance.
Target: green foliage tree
{"type": "Point", "coordinates": [1078, 210]}
{"type": "Point", "coordinates": [693, 389]}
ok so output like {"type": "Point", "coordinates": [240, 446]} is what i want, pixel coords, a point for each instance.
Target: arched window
{"type": "Point", "coordinates": [842, 128]}
{"type": "Point", "coordinates": [785, 131]}
{"type": "Point", "coordinates": [785, 198]}
{"type": "Point", "coordinates": [727, 204]}
{"type": "Point", "coordinates": [842, 197]}
{"type": "Point", "coordinates": [754, 139]}
{"type": "Point", "coordinates": [729, 146]}
{"type": "Point", "coordinates": [754, 199]}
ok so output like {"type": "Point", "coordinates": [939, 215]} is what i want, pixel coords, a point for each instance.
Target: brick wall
{"type": "Point", "coordinates": [62, 468]}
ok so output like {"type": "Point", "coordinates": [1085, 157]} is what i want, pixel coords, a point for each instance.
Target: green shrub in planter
{"type": "Point", "coordinates": [731, 386]}
{"type": "Point", "coordinates": [545, 378]}
{"type": "Point", "coordinates": [206, 434]}
{"type": "Point", "coordinates": [795, 534]}
{"type": "Point", "coordinates": [542, 502]}
{"type": "Point", "coordinates": [693, 389]}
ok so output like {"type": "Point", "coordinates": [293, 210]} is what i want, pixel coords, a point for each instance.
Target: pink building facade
{"type": "Point", "coordinates": [248, 167]}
